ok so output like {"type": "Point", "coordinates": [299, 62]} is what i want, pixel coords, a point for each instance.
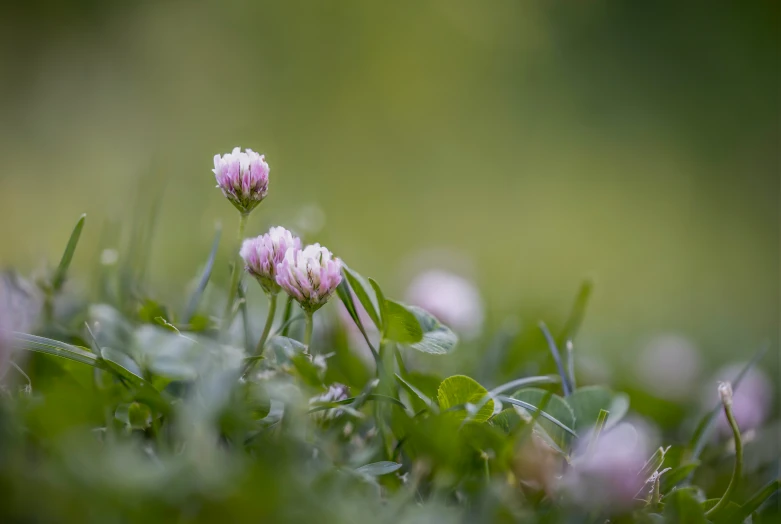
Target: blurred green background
{"type": "Point", "coordinates": [633, 143]}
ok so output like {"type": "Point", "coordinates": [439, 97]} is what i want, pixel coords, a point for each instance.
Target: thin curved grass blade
{"type": "Point", "coordinates": [542, 413]}
{"type": "Point", "coordinates": [55, 347]}
{"type": "Point", "coordinates": [67, 256]}
{"type": "Point", "coordinates": [565, 385]}
{"type": "Point", "coordinates": [340, 403]}
{"type": "Point", "coordinates": [575, 319]}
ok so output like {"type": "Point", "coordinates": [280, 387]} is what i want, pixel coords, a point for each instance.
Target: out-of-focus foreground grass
{"type": "Point", "coordinates": [635, 144]}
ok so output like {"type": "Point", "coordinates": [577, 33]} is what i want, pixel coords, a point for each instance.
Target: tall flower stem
{"type": "Point", "coordinates": [726, 398]}
{"type": "Point", "coordinates": [308, 331]}
{"type": "Point", "coordinates": [235, 274]}
{"type": "Point", "coordinates": [272, 309]}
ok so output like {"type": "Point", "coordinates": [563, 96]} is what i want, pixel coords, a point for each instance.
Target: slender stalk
{"type": "Point", "coordinates": [725, 390]}
{"type": "Point", "coordinates": [286, 316]}
{"type": "Point", "coordinates": [272, 309]}
{"type": "Point", "coordinates": [308, 331]}
{"type": "Point", "coordinates": [235, 275]}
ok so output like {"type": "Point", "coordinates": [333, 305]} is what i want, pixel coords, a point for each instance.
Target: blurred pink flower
{"type": "Point", "coordinates": [309, 275]}
{"type": "Point", "coordinates": [607, 476]}
{"type": "Point", "coordinates": [668, 367]}
{"type": "Point", "coordinates": [335, 393]}
{"type": "Point", "coordinates": [262, 254]}
{"type": "Point", "coordinates": [20, 307]}
{"type": "Point", "coordinates": [751, 400]}
{"type": "Point", "coordinates": [453, 299]}
{"type": "Point", "coordinates": [242, 177]}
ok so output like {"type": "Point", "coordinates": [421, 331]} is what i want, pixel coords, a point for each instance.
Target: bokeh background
{"type": "Point", "coordinates": [526, 144]}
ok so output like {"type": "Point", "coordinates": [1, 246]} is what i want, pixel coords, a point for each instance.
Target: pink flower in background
{"type": "Point", "coordinates": [608, 475]}
{"type": "Point", "coordinates": [668, 367]}
{"type": "Point", "coordinates": [453, 299]}
{"type": "Point", "coordinates": [751, 401]}
{"type": "Point", "coordinates": [262, 254]}
{"type": "Point", "coordinates": [20, 307]}
{"type": "Point", "coordinates": [242, 177]}
{"type": "Point", "coordinates": [309, 275]}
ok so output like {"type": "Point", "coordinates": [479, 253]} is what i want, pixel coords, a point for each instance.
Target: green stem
{"type": "Point", "coordinates": [286, 316]}
{"type": "Point", "coordinates": [308, 331]}
{"type": "Point", "coordinates": [235, 275]}
{"type": "Point", "coordinates": [272, 309]}
{"type": "Point", "coordinates": [737, 471]}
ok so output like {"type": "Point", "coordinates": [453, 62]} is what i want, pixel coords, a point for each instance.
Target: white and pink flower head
{"type": "Point", "coordinates": [242, 177]}
{"type": "Point", "coordinates": [309, 275]}
{"type": "Point", "coordinates": [262, 254]}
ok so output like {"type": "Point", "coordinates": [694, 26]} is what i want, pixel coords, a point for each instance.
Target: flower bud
{"type": "Point", "coordinates": [242, 177]}
{"type": "Point", "coordinates": [262, 254]}
{"type": "Point", "coordinates": [725, 392]}
{"type": "Point", "coordinates": [309, 275]}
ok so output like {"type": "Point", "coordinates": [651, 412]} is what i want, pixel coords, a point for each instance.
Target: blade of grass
{"type": "Point", "coordinates": [359, 289]}
{"type": "Point", "coordinates": [577, 313]}
{"type": "Point", "coordinates": [565, 386]}
{"type": "Point", "coordinates": [432, 406]}
{"type": "Point", "coordinates": [339, 403]}
{"type": "Point", "coordinates": [542, 413]}
{"type": "Point", "coordinates": [514, 384]}
{"type": "Point", "coordinates": [54, 347]}
{"type": "Point", "coordinates": [755, 502]}
{"type": "Point", "coordinates": [67, 255]}
{"type": "Point", "coordinates": [598, 427]}
{"type": "Point", "coordinates": [343, 290]}
{"type": "Point", "coordinates": [192, 304]}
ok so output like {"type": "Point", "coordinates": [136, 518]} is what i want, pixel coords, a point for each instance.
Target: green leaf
{"type": "Point", "coordinates": [192, 304]}
{"type": "Point", "coordinates": [377, 469]}
{"type": "Point", "coordinates": [598, 427]}
{"type": "Point", "coordinates": [557, 417]}
{"type": "Point", "coordinates": [402, 325]}
{"type": "Point", "coordinates": [360, 288]}
{"type": "Point", "coordinates": [150, 310]}
{"type": "Point", "coordinates": [67, 256]}
{"type": "Point", "coordinates": [681, 506]}
{"type": "Point", "coordinates": [459, 391]}
{"type": "Point", "coordinates": [575, 318]}
{"type": "Point", "coordinates": [677, 475]}
{"type": "Point", "coordinates": [727, 513]}
{"type": "Point", "coordinates": [381, 306]}
{"type": "Point", "coordinates": [372, 396]}
{"type": "Point", "coordinates": [437, 339]}
{"type": "Point", "coordinates": [54, 347]}
{"type": "Point", "coordinates": [586, 403]}
{"type": "Point", "coordinates": [418, 393]}
{"type": "Point", "coordinates": [307, 369]}
{"type": "Point", "coordinates": [508, 420]}
{"type": "Point", "coordinates": [123, 360]}
{"type": "Point", "coordinates": [619, 407]}
{"type": "Point", "coordinates": [343, 291]}
{"type": "Point", "coordinates": [755, 502]}
{"type": "Point", "coordinates": [134, 415]}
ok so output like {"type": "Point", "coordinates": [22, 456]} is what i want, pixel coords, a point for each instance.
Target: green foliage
{"type": "Point", "coordinates": [147, 416]}
{"type": "Point", "coordinates": [460, 393]}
